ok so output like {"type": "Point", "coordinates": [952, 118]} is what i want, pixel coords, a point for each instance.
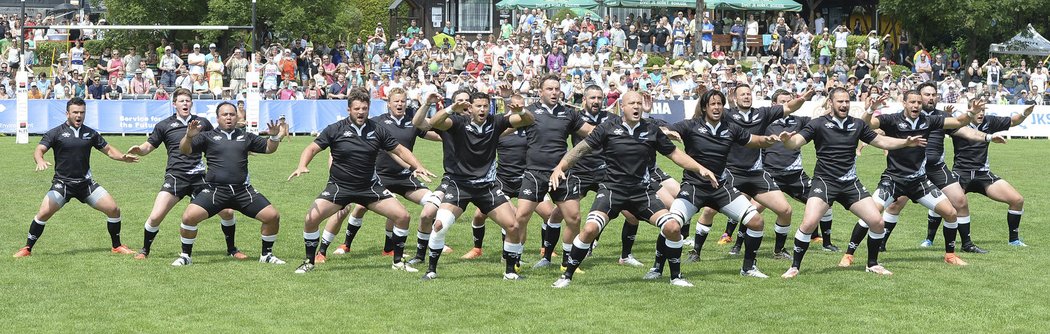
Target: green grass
{"type": "Point", "coordinates": [72, 282]}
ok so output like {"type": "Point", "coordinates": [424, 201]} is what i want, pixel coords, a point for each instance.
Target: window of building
{"type": "Point", "coordinates": [475, 16]}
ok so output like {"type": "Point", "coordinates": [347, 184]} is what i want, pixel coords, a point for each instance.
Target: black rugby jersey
{"type": "Point", "coordinates": [629, 152]}
{"type": "Point", "coordinates": [709, 145]}
{"type": "Point", "coordinates": [935, 143]}
{"type": "Point", "coordinates": [226, 153]}
{"type": "Point", "coordinates": [973, 156]}
{"type": "Point", "coordinates": [354, 150]}
{"type": "Point", "coordinates": [470, 149]}
{"type": "Point", "coordinates": [405, 134]}
{"type": "Point", "coordinates": [756, 122]}
{"type": "Point", "coordinates": [594, 161]}
{"type": "Point", "coordinates": [778, 159]}
{"type": "Point", "coordinates": [909, 162]}
{"type": "Point", "coordinates": [72, 150]}
{"type": "Point", "coordinates": [170, 132]}
{"type": "Point", "coordinates": [510, 155]}
{"type": "Point", "coordinates": [548, 135]}
{"type": "Point", "coordinates": [836, 144]}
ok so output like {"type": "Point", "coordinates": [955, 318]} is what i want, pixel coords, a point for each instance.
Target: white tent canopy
{"type": "Point", "coordinates": [1028, 42]}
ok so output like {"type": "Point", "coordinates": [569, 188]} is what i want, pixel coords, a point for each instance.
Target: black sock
{"type": "Point", "coordinates": [511, 260]}
{"type": "Point", "coordinates": [147, 239]}
{"type": "Point", "coordinates": [399, 246]}
{"type": "Point", "coordinates": [1013, 221]}
{"type": "Point", "coordinates": [550, 240]}
{"type": "Point", "coordinates": [231, 237]}
{"type": "Point", "coordinates": [674, 260]}
{"type": "Point", "coordinates": [267, 246]}
{"type": "Point", "coordinates": [964, 234]}
{"type": "Point", "coordinates": [351, 233]}
{"type": "Point", "coordinates": [435, 255]}
{"type": "Point", "coordinates": [740, 237]}
{"type": "Point", "coordinates": [479, 235]}
{"type": "Point", "coordinates": [889, 230]}
{"type": "Point", "coordinates": [699, 239]}
{"type": "Point", "coordinates": [388, 243]}
{"type": "Point", "coordinates": [779, 241]}
{"type": "Point", "coordinates": [873, 250]}
{"type": "Point", "coordinates": [825, 231]}
{"type": "Point", "coordinates": [933, 223]}
{"type": "Point", "coordinates": [36, 230]}
{"type": "Point", "coordinates": [730, 227]}
{"type": "Point", "coordinates": [751, 245]}
{"type": "Point", "coordinates": [574, 259]}
{"type": "Point", "coordinates": [661, 251]}
{"type": "Point", "coordinates": [854, 239]}
{"type": "Point", "coordinates": [323, 247]}
{"type": "Point", "coordinates": [800, 251]}
{"type": "Point", "coordinates": [422, 239]}
{"type": "Point", "coordinates": [114, 232]}
{"type": "Point", "coordinates": [949, 237]}
{"type": "Point", "coordinates": [627, 236]}
{"type": "Point", "coordinates": [187, 249]}
{"type": "Point", "coordinates": [311, 248]}
{"type": "Point", "coordinates": [684, 230]}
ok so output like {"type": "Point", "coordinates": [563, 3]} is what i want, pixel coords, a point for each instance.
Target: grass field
{"type": "Point", "coordinates": [73, 283]}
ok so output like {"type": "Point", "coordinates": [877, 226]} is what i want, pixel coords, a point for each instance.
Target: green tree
{"type": "Point", "coordinates": [979, 23]}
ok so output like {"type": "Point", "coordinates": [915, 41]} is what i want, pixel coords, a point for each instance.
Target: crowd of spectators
{"type": "Point", "coordinates": [768, 52]}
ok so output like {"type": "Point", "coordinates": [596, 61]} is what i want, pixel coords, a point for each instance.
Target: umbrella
{"type": "Point", "coordinates": [582, 13]}
{"type": "Point", "coordinates": [441, 39]}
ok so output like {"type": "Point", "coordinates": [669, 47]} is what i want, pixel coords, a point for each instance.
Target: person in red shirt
{"type": "Point", "coordinates": [287, 66]}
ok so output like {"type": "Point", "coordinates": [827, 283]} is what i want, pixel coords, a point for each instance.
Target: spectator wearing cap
{"type": "Point", "coordinates": [169, 62]}
{"type": "Point", "coordinates": [196, 61]}
{"type": "Point", "coordinates": [139, 84]}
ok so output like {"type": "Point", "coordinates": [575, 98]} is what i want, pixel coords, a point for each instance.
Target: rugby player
{"type": "Point", "coordinates": [227, 184]}
{"type": "Point", "coordinates": [72, 142]}
{"type": "Point", "coordinates": [835, 136]}
{"type": "Point", "coordinates": [356, 141]}
{"type": "Point", "coordinates": [629, 148]}
{"type": "Point", "coordinates": [184, 175]}
{"type": "Point", "coordinates": [470, 139]}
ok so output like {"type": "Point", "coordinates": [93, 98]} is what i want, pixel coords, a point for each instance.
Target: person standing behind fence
{"type": "Point", "coordinates": [238, 67]}
{"type": "Point", "coordinates": [169, 62]}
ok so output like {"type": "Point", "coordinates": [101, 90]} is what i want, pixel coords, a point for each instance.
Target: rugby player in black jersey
{"type": "Point", "coordinates": [355, 142]}
{"type": "Point", "coordinates": [785, 166]}
{"type": "Point", "coordinates": [547, 143]}
{"type": "Point", "coordinates": [394, 176]}
{"type": "Point", "coordinates": [974, 168]}
{"type": "Point", "coordinates": [745, 167]}
{"type": "Point", "coordinates": [510, 166]}
{"type": "Point", "coordinates": [835, 136]}
{"type": "Point", "coordinates": [629, 147]}
{"type": "Point", "coordinates": [938, 174]}
{"type": "Point", "coordinates": [184, 175]}
{"type": "Point", "coordinates": [227, 184]}
{"type": "Point", "coordinates": [905, 173]}
{"type": "Point", "coordinates": [708, 139]}
{"type": "Point", "coordinates": [71, 143]}
{"type": "Point", "coordinates": [470, 139]}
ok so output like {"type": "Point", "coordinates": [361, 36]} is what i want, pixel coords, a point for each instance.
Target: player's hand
{"type": "Point", "coordinates": [673, 135]}
{"type": "Point", "coordinates": [423, 174]}
{"type": "Point", "coordinates": [770, 139]}
{"type": "Point", "coordinates": [136, 150]}
{"type": "Point", "coordinates": [808, 94]}
{"type": "Point", "coordinates": [998, 139]}
{"type": "Point", "coordinates": [273, 128]}
{"type": "Point", "coordinates": [298, 171]}
{"type": "Point", "coordinates": [556, 177]}
{"type": "Point", "coordinates": [430, 99]}
{"type": "Point", "coordinates": [872, 104]}
{"type": "Point", "coordinates": [950, 110]}
{"type": "Point", "coordinates": [460, 107]}
{"type": "Point", "coordinates": [707, 174]}
{"type": "Point", "coordinates": [786, 136]}
{"type": "Point", "coordinates": [42, 165]}
{"type": "Point", "coordinates": [916, 141]}
{"type": "Point", "coordinates": [516, 107]}
{"type": "Point", "coordinates": [647, 102]}
{"type": "Point", "coordinates": [505, 90]}
{"type": "Point", "coordinates": [1028, 111]}
{"type": "Point", "coordinates": [193, 128]}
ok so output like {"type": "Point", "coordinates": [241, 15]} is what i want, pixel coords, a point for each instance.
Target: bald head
{"type": "Point", "coordinates": [631, 96]}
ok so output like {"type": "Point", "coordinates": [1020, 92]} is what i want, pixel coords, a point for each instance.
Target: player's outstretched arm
{"type": "Point", "coordinates": [304, 160]}
{"type": "Point", "coordinates": [568, 161]}
{"type": "Point", "coordinates": [796, 103]}
{"type": "Point", "coordinates": [192, 130]}
{"type": "Point", "coordinates": [686, 162]}
{"type": "Point", "coordinates": [765, 141]}
{"type": "Point", "coordinates": [275, 140]}
{"type": "Point", "coordinates": [890, 143]}
{"type": "Point", "coordinates": [440, 120]}
{"type": "Point", "coordinates": [117, 155]}
{"type": "Point", "coordinates": [1017, 119]}
{"type": "Point", "coordinates": [419, 120]}
{"type": "Point", "coordinates": [520, 117]}
{"type": "Point", "coordinates": [792, 141]}
{"type": "Point", "coordinates": [870, 105]}
{"type": "Point", "coordinates": [141, 149]}
{"type": "Point", "coordinates": [38, 157]}
{"type": "Point", "coordinates": [960, 120]}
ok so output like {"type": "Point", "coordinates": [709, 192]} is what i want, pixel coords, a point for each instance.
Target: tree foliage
{"type": "Point", "coordinates": [325, 20]}
{"type": "Point", "coordinates": [978, 22]}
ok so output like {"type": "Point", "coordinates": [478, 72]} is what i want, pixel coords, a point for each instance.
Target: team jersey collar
{"type": "Point", "coordinates": [398, 121]}
{"type": "Point", "coordinates": [76, 131]}
{"type": "Point", "coordinates": [840, 122]}
{"type": "Point", "coordinates": [599, 117]}
{"type": "Point", "coordinates": [712, 127]}
{"type": "Point", "coordinates": [229, 134]}
{"type": "Point", "coordinates": [184, 121]}
{"type": "Point", "coordinates": [630, 129]}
